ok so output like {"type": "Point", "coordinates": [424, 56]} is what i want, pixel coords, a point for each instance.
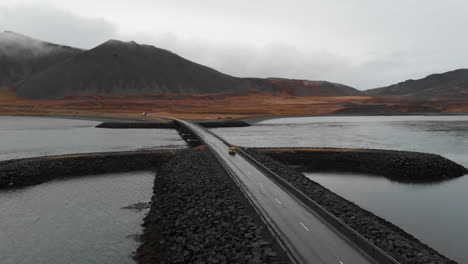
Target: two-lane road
{"type": "Point", "coordinates": [306, 236]}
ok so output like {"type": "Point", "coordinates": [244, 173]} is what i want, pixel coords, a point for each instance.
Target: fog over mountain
{"type": "Point", "coordinates": [22, 56]}
{"type": "Point", "coordinates": [13, 44]}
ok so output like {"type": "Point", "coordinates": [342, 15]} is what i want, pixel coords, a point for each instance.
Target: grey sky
{"type": "Point", "coordinates": [362, 43]}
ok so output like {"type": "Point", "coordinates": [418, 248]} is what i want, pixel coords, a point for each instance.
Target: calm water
{"type": "Point", "coordinates": [79, 220]}
{"type": "Point", "coordinates": [444, 135]}
{"type": "Point", "coordinates": [24, 137]}
{"type": "Point", "coordinates": [437, 213]}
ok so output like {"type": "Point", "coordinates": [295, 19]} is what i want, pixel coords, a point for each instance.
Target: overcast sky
{"type": "Point", "coordinates": [361, 43]}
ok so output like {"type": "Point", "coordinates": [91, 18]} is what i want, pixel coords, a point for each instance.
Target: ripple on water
{"type": "Point", "coordinates": [79, 220]}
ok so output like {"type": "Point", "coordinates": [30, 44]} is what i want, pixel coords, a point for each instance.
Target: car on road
{"type": "Point", "coordinates": [232, 150]}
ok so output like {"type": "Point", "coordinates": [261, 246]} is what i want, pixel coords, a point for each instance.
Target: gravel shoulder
{"type": "Point", "coordinates": [201, 216]}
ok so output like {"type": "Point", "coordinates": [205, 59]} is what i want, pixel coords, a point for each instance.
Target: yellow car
{"type": "Point", "coordinates": [232, 150]}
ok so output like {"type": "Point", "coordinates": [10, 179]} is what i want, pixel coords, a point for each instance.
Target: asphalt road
{"type": "Point", "coordinates": [307, 236]}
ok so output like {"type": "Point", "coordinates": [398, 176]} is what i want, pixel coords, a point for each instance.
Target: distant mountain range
{"type": "Point", "coordinates": [42, 70]}
{"type": "Point", "coordinates": [449, 84]}
{"type": "Point", "coordinates": [46, 71]}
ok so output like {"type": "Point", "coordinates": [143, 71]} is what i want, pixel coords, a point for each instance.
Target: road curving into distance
{"type": "Point", "coordinates": [304, 234]}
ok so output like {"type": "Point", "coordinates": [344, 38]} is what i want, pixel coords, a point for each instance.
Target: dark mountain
{"type": "Point", "coordinates": [449, 84]}
{"type": "Point", "coordinates": [117, 67]}
{"type": "Point", "coordinates": [312, 88]}
{"type": "Point", "coordinates": [22, 56]}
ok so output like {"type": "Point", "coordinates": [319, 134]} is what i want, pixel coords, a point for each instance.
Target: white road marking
{"type": "Point", "coordinates": [278, 201]}
{"type": "Point", "coordinates": [305, 227]}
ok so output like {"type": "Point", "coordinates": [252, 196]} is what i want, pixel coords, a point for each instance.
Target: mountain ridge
{"type": "Point", "coordinates": [448, 84]}
{"type": "Point", "coordinates": [117, 67]}
{"type": "Point", "coordinates": [125, 67]}
{"type": "Point", "coordinates": [43, 70]}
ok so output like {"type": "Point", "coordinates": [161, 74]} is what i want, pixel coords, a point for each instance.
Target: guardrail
{"type": "Point", "coordinates": [357, 239]}
{"type": "Point", "coordinates": [271, 227]}
{"type": "Point", "coordinates": [360, 241]}
{"type": "Point", "coordinates": [268, 223]}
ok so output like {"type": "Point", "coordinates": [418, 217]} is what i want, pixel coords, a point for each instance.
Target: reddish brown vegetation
{"type": "Point", "coordinates": [291, 87]}
{"type": "Point", "coordinates": [221, 105]}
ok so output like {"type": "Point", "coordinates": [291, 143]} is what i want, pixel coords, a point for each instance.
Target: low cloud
{"type": "Point", "coordinates": [55, 25]}
{"type": "Point", "coordinates": [12, 44]}
{"type": "Point", "coordinates": [288, 61]}
{"type": "Point", "coordinates": [398, 54]}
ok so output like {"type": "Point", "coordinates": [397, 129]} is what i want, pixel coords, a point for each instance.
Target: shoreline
{"type": "Point", "coordinates": [96, 118]}
{"type": "Point", "coordinates": [249, 120]}
{"type": "Point", "coordinates": [257, 119]}
{"type": "Point", "coordinates": [171, 124]}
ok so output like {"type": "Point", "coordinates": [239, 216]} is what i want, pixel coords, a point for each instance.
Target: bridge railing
{"type": "Point", "coordinates": [348, 233]}
{"type": "Point", "coordinates": [357, 239]}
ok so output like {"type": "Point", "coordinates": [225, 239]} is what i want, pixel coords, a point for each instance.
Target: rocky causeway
{"type": "Point", "coordinates": [199, 215]}
{"type": "Point", "coordinates": [402, 166]}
